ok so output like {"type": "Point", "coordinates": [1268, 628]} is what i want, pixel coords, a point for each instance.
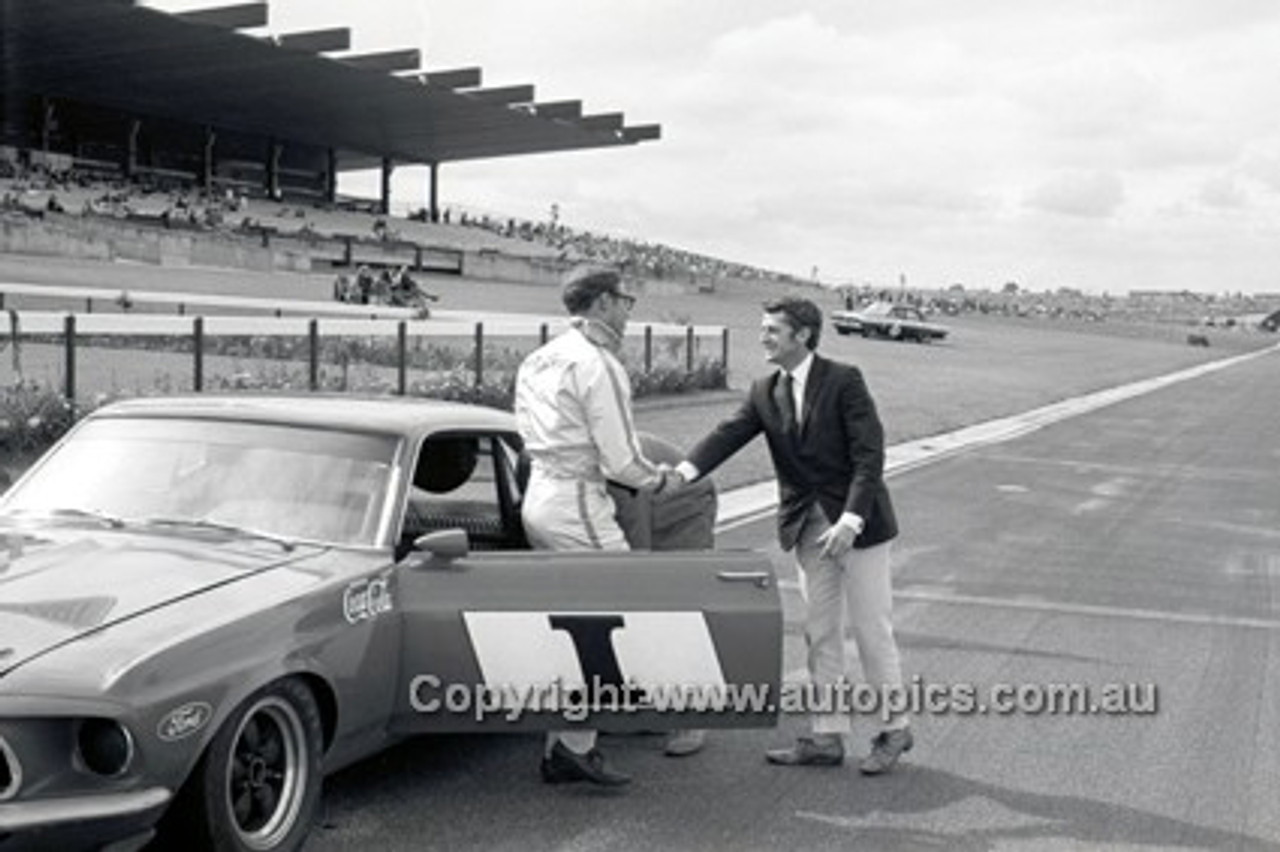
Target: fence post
{"type": "Point", "coordinates": [688, 349]}
{"type": "Point", "coordinates": [313, 332]}
{"type": "Point", "coordinates": [648, 349]}
{"type": "Point", "coordinates": [479, 354]}
{"type": "Point", "coordinates": [16, 333]}
{"type": "Point", "coordinates": [197, 350]}
{"type": "Point", "coordinates": [724, 353]}
{"type": "Point", "coordinates": [544, 334]}
{"type": "Point", "coordinates": [69, 333]}
{"type": "Point", "coordinates": [402, 357]}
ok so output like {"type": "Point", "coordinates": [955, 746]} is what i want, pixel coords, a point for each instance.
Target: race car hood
{"type": "Point", "coordinates": [57, 585]}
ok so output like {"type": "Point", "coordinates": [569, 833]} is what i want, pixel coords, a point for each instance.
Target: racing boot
{"type": "Point", "coordinates": [565, 766]}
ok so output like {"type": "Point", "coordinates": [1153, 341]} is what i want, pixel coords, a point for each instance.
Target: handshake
{"type": "Point", "coordinates": [671, 479]}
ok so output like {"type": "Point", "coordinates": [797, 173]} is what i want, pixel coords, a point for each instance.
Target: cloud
{"type": "Point", "coordinates": [1096, 195]}
{"type": "Point", "coordinates": [1223, 192]}
{"type": "Point", "coordinates": [1261, 162]}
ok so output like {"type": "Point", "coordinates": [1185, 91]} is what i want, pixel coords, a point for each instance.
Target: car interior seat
{"type": "Point", "coordinates": [445, 464]}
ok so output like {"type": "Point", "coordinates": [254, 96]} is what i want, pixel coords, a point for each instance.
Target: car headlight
{"type": "Point", "coordinates": [104, 746]}
{"type": "Point", "coordinates": [10, 772]}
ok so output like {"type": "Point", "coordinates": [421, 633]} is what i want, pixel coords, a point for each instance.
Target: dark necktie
{"type": "Point", "coordinates": [786, 401]}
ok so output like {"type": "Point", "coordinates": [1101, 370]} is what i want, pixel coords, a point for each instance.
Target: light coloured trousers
{"type": "Point", "coordinates": [570, 514]}
{"type": "Point", "coordinates": [858, 583]}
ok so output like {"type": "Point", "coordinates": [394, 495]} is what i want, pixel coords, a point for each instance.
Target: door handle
{"type": "Point", "coordinates": [761, 579]}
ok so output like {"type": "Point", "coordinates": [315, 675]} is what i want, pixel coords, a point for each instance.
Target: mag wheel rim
{"type": "Point", "coordinates": [266, 773]}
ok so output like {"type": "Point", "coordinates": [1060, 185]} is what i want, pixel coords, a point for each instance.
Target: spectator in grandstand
{"type": "Point", "coordinates": [834, 511]}
{"type": "Point", "coordinates": [364, 283]}
{"type": "Point", "coordinates": [573, 411]}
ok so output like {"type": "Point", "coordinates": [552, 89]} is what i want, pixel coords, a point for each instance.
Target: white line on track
{"type": "Point", "coordinates": [941, 596]}
{"type": "Point", "coordinates": [1088, 610]}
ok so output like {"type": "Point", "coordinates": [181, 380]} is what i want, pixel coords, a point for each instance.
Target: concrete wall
{"type": "Point", "coordinates": [106, 239]}
{"type": "Point", "coordinates": [497, 266]}
{"type": "Point", "coordinates": [109, 239]}
{"type": "Point", "coordinates": [19, 235]}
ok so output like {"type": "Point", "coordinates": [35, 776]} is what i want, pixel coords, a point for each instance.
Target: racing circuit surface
{"type": "Point", "coordinates": [1138, 544]}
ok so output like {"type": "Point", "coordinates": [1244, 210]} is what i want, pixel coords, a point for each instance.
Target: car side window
{"type": "Point", "coordinates": [463, 481]}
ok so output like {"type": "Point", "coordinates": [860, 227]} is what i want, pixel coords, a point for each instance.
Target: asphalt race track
{"type": "Point", "coordinates": [1138, 544]}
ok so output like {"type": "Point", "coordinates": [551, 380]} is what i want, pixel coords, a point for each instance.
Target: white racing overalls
{"type": "Point", "coordinates": [573, 410]}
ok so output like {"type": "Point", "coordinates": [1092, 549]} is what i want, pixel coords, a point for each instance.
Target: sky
{"type": "Point", "coordinates": [1103, 145]}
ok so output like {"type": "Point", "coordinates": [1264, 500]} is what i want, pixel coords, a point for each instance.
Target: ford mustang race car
{"type": "Point", "coordinates": [208, 603]}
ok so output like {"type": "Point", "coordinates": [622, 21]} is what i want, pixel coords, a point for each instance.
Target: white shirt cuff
{"type": "Point", "coordinates": [853, 521]}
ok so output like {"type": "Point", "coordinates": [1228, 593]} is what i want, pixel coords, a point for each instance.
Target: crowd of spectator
{"type": "Point", "coordinates": [1222, 310]}
{"type": "Point", "coordinates": [35, 189]}
{"type": "Point", "coordinates": [635, 257]}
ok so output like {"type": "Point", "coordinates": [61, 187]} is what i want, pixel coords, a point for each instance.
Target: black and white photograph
{"type": "Point", "coordinates": [637, 425]}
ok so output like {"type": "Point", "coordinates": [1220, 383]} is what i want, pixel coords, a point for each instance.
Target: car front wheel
{"type": "Point", "coordinates": [258, 786]}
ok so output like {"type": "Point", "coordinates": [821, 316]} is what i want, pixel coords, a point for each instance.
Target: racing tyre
{"type": "Point", "coordinates": [257, 787]}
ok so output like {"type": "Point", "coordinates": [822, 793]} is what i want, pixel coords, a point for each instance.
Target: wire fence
{"type": "Point", "coordinates": [94, 355]}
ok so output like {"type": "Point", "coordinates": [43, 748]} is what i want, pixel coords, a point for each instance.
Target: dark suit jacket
{"type": "Point", "coordinates": [837, 459]}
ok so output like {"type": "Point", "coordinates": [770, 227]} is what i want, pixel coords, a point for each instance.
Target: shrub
{"type": "Point", "coordinates": [32, 417]}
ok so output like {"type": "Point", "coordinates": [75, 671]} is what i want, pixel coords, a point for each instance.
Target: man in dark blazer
{"type": "Point", "coordinates": [834, 511]}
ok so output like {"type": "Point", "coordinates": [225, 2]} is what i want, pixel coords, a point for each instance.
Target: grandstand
{"type": "Point", "coordinates": [129, 132]}
{"type": "Point", "coordinates": [190, 99]}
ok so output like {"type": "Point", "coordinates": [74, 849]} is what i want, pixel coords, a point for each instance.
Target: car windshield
{"type": "Point", "coordinates": [268, 479]}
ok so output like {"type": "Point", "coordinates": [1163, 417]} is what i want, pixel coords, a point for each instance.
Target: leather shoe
{"type": "Point", "coordinates": [886, 748]}
{"type": "Point", "coordinates": [565, 766]}
{"type": "Point", "coordinates": [809, 751]}
{"type": "Point", "coordinates": [684, 743]}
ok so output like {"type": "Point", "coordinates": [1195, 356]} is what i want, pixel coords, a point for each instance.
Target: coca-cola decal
{"type": "Point", "coordinates": [367, 599]}
{"type": "Point", "coordinates": [184, 721]}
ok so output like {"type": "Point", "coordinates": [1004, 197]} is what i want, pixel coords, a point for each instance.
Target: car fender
{"type": "Point", "coordinates": [190, 680]}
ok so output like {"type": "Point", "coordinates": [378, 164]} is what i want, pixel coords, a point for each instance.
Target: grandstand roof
{"type": "Point", "coordinates": [198, 67]}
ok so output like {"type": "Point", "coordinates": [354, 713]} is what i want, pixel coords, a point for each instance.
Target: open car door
{"type": "Point", "coordinates": [511, 641]}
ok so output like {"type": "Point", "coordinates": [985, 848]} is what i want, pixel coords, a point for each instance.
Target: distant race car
{"type": "Point", "coordinates": [210, 602]}
{"type": "Point", "coordinates": [885, 319]}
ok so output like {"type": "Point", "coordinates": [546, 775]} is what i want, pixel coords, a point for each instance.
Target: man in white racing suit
{"type": "Point", "coordinates": [573, 411]}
